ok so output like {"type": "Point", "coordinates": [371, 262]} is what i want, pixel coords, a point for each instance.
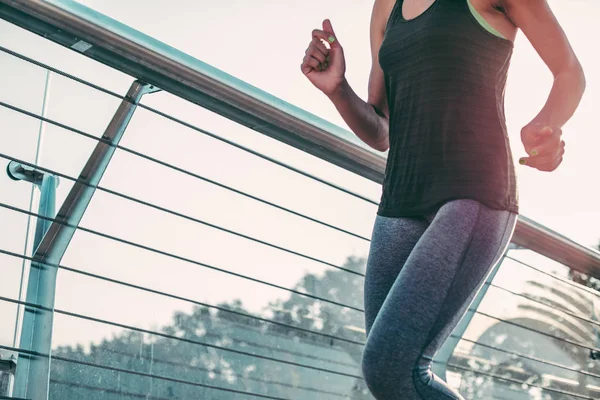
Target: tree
{"type": "Point", "coordinates": [209, 347]}
{"type": "Point", "coordinates": [344, 323]}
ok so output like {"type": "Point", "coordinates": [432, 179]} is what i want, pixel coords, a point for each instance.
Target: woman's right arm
{"type": "Point", "coordinates": [325, 68]}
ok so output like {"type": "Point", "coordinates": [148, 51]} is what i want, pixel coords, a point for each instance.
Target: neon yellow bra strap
{"type": "Point", "coordinates": [483, 22]}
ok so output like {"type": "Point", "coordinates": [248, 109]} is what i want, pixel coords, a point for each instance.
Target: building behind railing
{"type": "Point", "coordinates": [117, 242]}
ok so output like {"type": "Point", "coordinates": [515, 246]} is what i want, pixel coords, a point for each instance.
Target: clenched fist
{"type": "Point", "coordinates": [544, 146]}
{"type": "Point", "coordinates": [324, 67]}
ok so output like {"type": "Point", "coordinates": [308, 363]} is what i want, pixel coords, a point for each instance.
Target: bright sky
{"type": "Point", "coordinates": [258, 42]}
{"type": "Point", "coordinates": [261, 42]}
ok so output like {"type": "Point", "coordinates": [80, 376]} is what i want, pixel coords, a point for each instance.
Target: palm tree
{"type": "Point", "coordinates": [555, 313]}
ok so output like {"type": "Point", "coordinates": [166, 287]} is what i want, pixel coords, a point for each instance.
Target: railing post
{"type": "Point", "coordinates": [7, 374]}
{"type": "Point", "coordinates": [444, 354]}
{"type": "Point", "coordinates": [39, 276]}
{"type": "Point", "coordinates": [52, 239]}
{"type": "Point", "coordinates": [595, 355]}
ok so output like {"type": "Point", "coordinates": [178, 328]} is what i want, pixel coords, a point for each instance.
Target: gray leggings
{"type": "Point", "coordinates": [422, 274]}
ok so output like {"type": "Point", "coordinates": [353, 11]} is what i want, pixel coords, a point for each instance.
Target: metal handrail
{"type": "Point", "coordinates": [103, 39]}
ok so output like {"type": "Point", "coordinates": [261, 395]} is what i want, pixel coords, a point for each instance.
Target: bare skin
{"type": "Point", "coordinates": [369, 120]}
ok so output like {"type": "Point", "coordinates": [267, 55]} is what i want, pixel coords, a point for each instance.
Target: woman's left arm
{"type": "Point", "coordinates": [541, 137]}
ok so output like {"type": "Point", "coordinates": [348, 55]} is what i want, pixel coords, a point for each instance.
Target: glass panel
{"type": "Point", "coordinates": [19, 137]}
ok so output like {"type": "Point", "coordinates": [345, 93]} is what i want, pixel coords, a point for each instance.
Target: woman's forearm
{"type": "Point", "coordinates": [362, 118]}
{"type": "Point", "coordinates": [564, 97]}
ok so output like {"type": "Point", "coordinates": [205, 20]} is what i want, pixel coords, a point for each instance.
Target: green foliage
{"type": "Point", "coordinates": [226, 348]}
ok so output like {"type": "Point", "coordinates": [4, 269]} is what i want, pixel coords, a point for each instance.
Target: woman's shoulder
{"type": "Point", "coordinates": [381, 13]}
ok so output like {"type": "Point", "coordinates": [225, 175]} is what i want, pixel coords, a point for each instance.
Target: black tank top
{"type": "Point", "coordinates": [445, 77]}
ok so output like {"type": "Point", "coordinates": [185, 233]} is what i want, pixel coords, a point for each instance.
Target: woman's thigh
{"type": "Point", "coordinates": [391, 243]}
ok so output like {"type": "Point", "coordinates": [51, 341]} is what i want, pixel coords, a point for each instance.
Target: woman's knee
{"type": "Point", "coordinates": [374, 372]}
{"type": "Point", "coordinates": [385, 371]}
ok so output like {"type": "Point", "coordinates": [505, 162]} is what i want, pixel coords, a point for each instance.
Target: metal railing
{"type": "Point", "coordinates": [317, 362]}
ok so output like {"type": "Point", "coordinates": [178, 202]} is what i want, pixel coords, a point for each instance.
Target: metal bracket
{"type": "Point", "coordinates": [135, 96]}
{"type": "Point", "coordinates": [19, 172]}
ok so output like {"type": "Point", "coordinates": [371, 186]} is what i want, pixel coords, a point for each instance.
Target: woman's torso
{"type": "Point", "coordinates": [445, 76]}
